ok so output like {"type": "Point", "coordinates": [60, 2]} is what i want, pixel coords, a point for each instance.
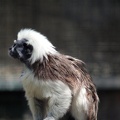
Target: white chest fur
{"type": "Point", "coordinates": [44, 88]}
{"type": "Point", "coordinates": [58, 92]}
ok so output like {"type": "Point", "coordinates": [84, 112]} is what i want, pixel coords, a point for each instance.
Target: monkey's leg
{"type": "Point", "coordinates": [37, 108]}
{"type": "Point", "coordinates": [58, 106]}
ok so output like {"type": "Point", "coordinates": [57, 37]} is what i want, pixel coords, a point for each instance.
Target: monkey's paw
{"type": "Point", "coordinates": [49, 118]}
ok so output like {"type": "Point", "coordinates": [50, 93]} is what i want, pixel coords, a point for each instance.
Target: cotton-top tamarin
{"type": "Point", "coordinates": [54, 83]}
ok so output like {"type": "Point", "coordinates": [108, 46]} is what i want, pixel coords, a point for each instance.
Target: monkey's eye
{"type": "Point", "coordinates": [19, 45]}
{"type": "Point", "coordinates": [25, 45]}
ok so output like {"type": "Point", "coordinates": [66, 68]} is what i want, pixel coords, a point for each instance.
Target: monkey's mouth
{"type": "Point", "coordinates": [17, 54]}
{"type": "Point", "coordinates": [21, 50]}
{"type": "Point", "coordinates": [12, 53]}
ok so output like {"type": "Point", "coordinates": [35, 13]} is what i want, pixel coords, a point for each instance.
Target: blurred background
{"type": "Point", "coordinates": [86, 29]}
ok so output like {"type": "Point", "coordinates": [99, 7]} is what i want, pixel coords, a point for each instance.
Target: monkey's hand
{"type": "Point", "coordinates": [49, 118]}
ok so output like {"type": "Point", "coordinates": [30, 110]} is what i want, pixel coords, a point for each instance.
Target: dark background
{"type": "Point", "coordinates": [86, 29]}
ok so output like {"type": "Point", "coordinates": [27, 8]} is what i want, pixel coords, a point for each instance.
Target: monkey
{"type": "Point", "coordinates": [54, 83]}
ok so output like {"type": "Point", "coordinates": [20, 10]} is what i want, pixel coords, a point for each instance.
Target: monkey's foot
{"type": "Point", "coordinates": [49, 118]}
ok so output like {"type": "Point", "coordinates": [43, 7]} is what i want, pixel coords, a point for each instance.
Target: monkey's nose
{"type": "Point", "coordinates": [10, 48]}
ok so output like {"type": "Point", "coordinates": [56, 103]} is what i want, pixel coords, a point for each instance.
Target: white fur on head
{"type": "Point", "coordinates": [41, 45]}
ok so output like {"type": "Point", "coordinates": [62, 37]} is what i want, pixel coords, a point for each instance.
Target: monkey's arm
{"type": "Point", "coordinates": [50, 109]}
{"type": "Point", "coordinates": [58, 106]}
{"type": "Point", "coordinates": [37, 108]}
{"type": "Point", "coordinates": [53, 104]}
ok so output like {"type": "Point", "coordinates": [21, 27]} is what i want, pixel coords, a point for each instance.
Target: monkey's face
{"type": "Point", "coordinates": [21, 50]}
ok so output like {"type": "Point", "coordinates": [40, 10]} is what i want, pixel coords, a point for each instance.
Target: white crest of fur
{"type": "Point", "coordinates": [41, 45]}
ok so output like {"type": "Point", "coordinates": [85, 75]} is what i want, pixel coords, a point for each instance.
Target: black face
{"type": "Point", "coordinates": [21, 50]}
